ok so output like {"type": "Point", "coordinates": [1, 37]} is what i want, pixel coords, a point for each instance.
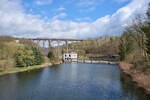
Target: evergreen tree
{"type": "Point", "coordinates": [38, 57]}
{"type": "Point", "coordinates": [146, 30]}
{"type": "Point", "coordinates": [51, 54]}
{"type": "Point", "coordinates": [125, 46]}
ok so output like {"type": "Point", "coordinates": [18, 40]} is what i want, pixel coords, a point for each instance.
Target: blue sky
{"type": "Point", "coordinates": [75, 10]}
{"type": "Point", "coordinates": [68, 18]}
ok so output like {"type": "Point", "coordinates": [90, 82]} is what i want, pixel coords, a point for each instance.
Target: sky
{"type": "Point", "coordinates": [79, 19]}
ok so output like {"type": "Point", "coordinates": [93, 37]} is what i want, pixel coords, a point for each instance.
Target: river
{"type": "Point", "coordinates": [69, 81]}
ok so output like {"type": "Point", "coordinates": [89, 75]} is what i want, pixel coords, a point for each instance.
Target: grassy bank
{"type": "Point", "coordinates": [22, 69]}
{"type": "Point", "coordinates": [142, 80]}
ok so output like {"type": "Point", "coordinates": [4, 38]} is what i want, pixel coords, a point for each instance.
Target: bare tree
{"type": "Point", "coordinates": [136, 32]}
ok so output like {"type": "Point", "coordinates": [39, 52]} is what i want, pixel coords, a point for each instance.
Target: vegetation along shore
{"type": "Point", "coordinates": [22, 56]}
{"type": "Point", "coordinates": [134, 51]}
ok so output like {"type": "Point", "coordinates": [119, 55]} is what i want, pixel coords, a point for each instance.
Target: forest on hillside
{"type": "Point", "coordinates": [14, 54]}
{"type": "Point", "coordinates": [102, 46]}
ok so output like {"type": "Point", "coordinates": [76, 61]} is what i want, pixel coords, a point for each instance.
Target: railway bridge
{"type": "Point", "coordinates": [50, 40]}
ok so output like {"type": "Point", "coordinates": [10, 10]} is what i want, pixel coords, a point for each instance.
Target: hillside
{"type": "Point", "coordinates": [96, 47]}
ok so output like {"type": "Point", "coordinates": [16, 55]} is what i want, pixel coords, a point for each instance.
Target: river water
{"type": "Point", "coordinates": [69, 81]}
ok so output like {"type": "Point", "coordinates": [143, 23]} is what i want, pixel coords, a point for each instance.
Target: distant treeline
{"type": "Point", "coordinates": [102, 46]}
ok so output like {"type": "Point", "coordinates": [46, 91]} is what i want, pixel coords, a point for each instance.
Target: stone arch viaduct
{"type": "Point", "coordinates": [50, 40]}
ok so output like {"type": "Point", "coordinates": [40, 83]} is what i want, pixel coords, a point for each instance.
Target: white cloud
{"type": "Point", "coordinates": [43, 2]}
{"type": "Point", "coordinates": [83, 19]}
{"type": "Point", "coordinates": [14, 22]}
{"type": "Point", "coordinates": [120, 1]}
{"type": "Point", "coordinates": [60, 9]}
{"type": "Point", "coordinates": [61, 15]}
{"type": "Point", "coordinates": [113, 25]}
{"type": "Point", "coordinates": [89, 3]}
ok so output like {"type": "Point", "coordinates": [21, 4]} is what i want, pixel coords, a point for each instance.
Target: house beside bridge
{"type": "Point", "coordinates": [70, 57]}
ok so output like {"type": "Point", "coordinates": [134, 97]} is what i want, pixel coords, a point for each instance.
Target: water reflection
{"type": "Point", "coordinates": [70, 81]}
{"type": "Point", "coordinates": [73, 72]}
{"type": "Point", "coordinates": [130, 88]}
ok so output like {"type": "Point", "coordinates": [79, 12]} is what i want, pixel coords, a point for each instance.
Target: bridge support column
{"type": "Point", "coordinates": [37, 43]}
{"type": "Point", "coordinates": [58, 42]}
{"type": "Point", "coordinates": [43, 43]}
{"type": "Point", "coordinates": [73, 47]}
{"type": "Point", "coordinates": [31, 42]}
{"type": "Point", "coordinates": [67, 46]}
{"type": "Point", "coordinates": [49, 42]}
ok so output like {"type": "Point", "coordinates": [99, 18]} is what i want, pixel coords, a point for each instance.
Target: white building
{"type": "Point", "coordinates": [17, 41]}
{"type": "Point", "coordinates": [70, 56]}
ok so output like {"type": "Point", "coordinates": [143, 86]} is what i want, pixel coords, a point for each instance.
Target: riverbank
{"type": "Point", "coordinates": [140, 79]}
{"type": "Point", "coordinates": [93, 61]}
{"type": "Point", "coordinates": [23, 69]}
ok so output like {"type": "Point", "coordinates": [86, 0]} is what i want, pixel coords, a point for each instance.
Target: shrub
{"type": "Point", "coordinates": [51, 54]}
{"type": "Point", "coordinates": [125, 46]}
{"type": "Point", "coordinates": [24, 57]}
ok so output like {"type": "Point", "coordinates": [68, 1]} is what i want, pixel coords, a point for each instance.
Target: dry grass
{"type": "Point", "coordinates": [142, 80]}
